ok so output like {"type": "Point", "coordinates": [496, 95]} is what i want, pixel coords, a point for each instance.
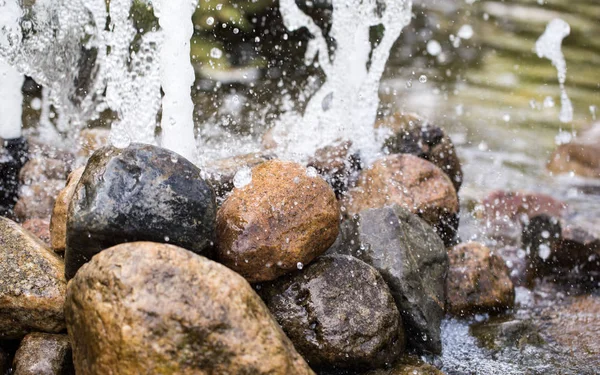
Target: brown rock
{"type": "Point", "coordinates": [581, 159]}
{"type": "Point", "coordinates": [412, 183]}
{"type": "Point", "coordinates": [220, 173]}
{"type": "Point", "coordinates": [159, 309]}
{"type": "Point", "coordinates": [58, 222]}
{"type": "Point", "coordinates": [44, 169]}
{"type": "Point", "coordinates": [32, 284]}
{"type": "Point", "coordinates": [37, 200]}
{"type": "Point", "coordinates": [285, 216]}
{"type": "Point", "coordinates": [412, 134]}
{"type": "Point", "coordinates": [44, 354]}
{"type": "Point", "coordinates": [40, 228]}
{"type": "Point", "coordinates": [478, 281]}
{"type": "Point", "coordinates": [91, 140]}
{"type": "Point", "coordinates": [576, 325]}
{"type": "Point", "coordinates": [408, 365]}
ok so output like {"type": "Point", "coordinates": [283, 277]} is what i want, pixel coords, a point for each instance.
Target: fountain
{"type": "Point", "coordinates": [345, 107]}
{"type": "Point", "coordinates": [549, 46]}
{"type": "Point", "coordinates": [11, 101]}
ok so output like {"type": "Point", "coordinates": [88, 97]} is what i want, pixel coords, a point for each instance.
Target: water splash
{"type": "Point", "coordinates": [11, 80]}
{"type": "Point", "coordinates": [549, 46]}
{"type": "Point", "coordinates": [345, 107]}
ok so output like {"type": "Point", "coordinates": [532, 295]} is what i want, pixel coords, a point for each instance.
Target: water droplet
{"type": "Point", "coordinates": [299, 265]}
{"type": "Point", "coordinates": [465, 32]}
{"type": "Point", "coordinates": [242, 178]}
{"type": "Point", "coordinates": [433, 47]}
{"type": "Point", "coordinates": [423, 78]}
{"type": "Point", "coordinates": [544, 251]}
{"type": "Point", "coordinates": [210, 21]}
{"type": "Point", "coordinates": [311, 172]}
{"type": "Point", "coordinates": [216, 53]}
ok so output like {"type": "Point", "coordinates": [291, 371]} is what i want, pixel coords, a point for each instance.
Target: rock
{"type": "Point", "coordinates": [564, 250]}
{"type": "Point", "coordinates": [408, 365]}
{"type": "Point", "coordinates": [158, 309]}
{"type": "Point", "coordinates": [37, 200]}
{"type": "Point", "coordinates": [478, 281]}
{"type": "Point", "coordinates": [32, 285]}
{"type": "Point", "coordinates": [58, 221]}
{"type": "Point", "coordinates": [44, 354]}
{"type": "Point", "coordinates": [141, 192]}
{"type": "Point", "coordinates": [40, 170]}
{"type": "Point", "coordinates": [337, 165]}
{"type": "Point", "coordinates": [499, 333]}
{"type": "Point", "coordinates": [412, 183]}
{"type": "Point", "coordinates": [578, 158]}
{"type": "Point", "coordinates": [92, 140]}
{"type": "Point", "coordinates": [13, 156]}
{"type": "Point", "coordinates": [40, 228]}
{"type": "Point", "coordinates": [505, 212]}
{"type": "Point", "coordinates": [412, 260]}
{"type": "Point", "coordinates": [284, 216]}
{"type": "Point", "coordinates": [339, 313]}
{"type": "Point", "coordinates": [412, 134]}
{"type": "Point", "coordinates": [220, 173]}
{"type": "Point", "coordinates": [575, 326]}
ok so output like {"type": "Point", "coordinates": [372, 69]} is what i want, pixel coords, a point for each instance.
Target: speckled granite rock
{"type": "Point", "coordinates": [339, 313]}
{"type": "Point", "coordinates": [138, 193]}
{"type": "Point", "coordinates": [286, 215]}
{"type": "Point", "coordinates": [32, 284]}
{"type": "Point", "coordinates": [40, 228]}
{"type": "Point", "coordinates": [148, 308]}
{"type": "Point", "coordinates": [44, 354]}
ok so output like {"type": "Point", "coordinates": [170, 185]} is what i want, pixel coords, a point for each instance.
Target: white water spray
{"type": "Point", "coordinates": [345, 107]}
{"type": "Point", "coordinates": [11, 81]}
{"type": "Point", "coordinates": [177, 75]}
{"type": "Point", "coordinates": [549, 46]}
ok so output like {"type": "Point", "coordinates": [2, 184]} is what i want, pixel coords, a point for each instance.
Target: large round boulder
{"type": "Point", "coordinates": [410, 182]}
{"type": "Point", "coordinates": [412, 260]}
{"type": "Point", "coordinates": [284, 216]}
{"type": "Point", "coordinates": [32, 284]}
{"type": "Point", "coordinates": [148, 308]}
{"type": "Point", "coordinates": [339, 313]}
{"type": "Point", "coordinates": [139, 193]}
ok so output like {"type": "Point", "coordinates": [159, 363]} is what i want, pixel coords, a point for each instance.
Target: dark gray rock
{"type": "Point", "coordinates": [339, 313]}
{"type": "Point", "coordinates": [44, 354]}
{"type": "Point", "coordinates": [13, 156]}
{"type": "Point", "coordinates": [563, 250]}
{"type": "Point", "coordinates": [413, 261]}
{"type": "Point", "coordinates": [140, 193]}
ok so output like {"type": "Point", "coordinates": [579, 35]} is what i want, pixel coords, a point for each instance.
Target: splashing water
{"type": "Point", "coordinates": [549, 46]}
{"type": "Point", "coordinates": [10, 79]}
{"type": "Point", "coordinates": [345, 107]}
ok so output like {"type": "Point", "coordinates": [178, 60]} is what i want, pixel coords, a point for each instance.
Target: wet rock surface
{"type": "Point", "coordinates": [44, 354]}
{"type": "Point", "coordinates": [582, 159]}
{"type": "Point", "coordinates": [40, 228]}
{"type": "Point", "coordinates": [339, 313]}
{"type": "Point", "coordinates": [283, 217]}
{"type": "Point", "coordinates": [412, 260]}
{"type": "Point", "coordinates": [409, 365]}
{"type": "Point", "coordinates": [337, 165]}
{"type": "Point", "coordinates": [412, 183]}
{"type": "Point", "coordinates": [155, 308]}
{"type": "Point", "coordinates": [563, 250]}
{"type": "Point", "coordinates": [36, 200]}
{"type": "Point", "coordinates": [412, 134]}
{"type": "Point", "coordinates": [141, 192]}
{"type": "Point", "coordinates": [32, 284]}
{"type": "Point", "coordinates": [478, 281]}
{"type": "Point", "coordinates": [58, 221]}
{"type": "Point", "coordinates": [221, 172]}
